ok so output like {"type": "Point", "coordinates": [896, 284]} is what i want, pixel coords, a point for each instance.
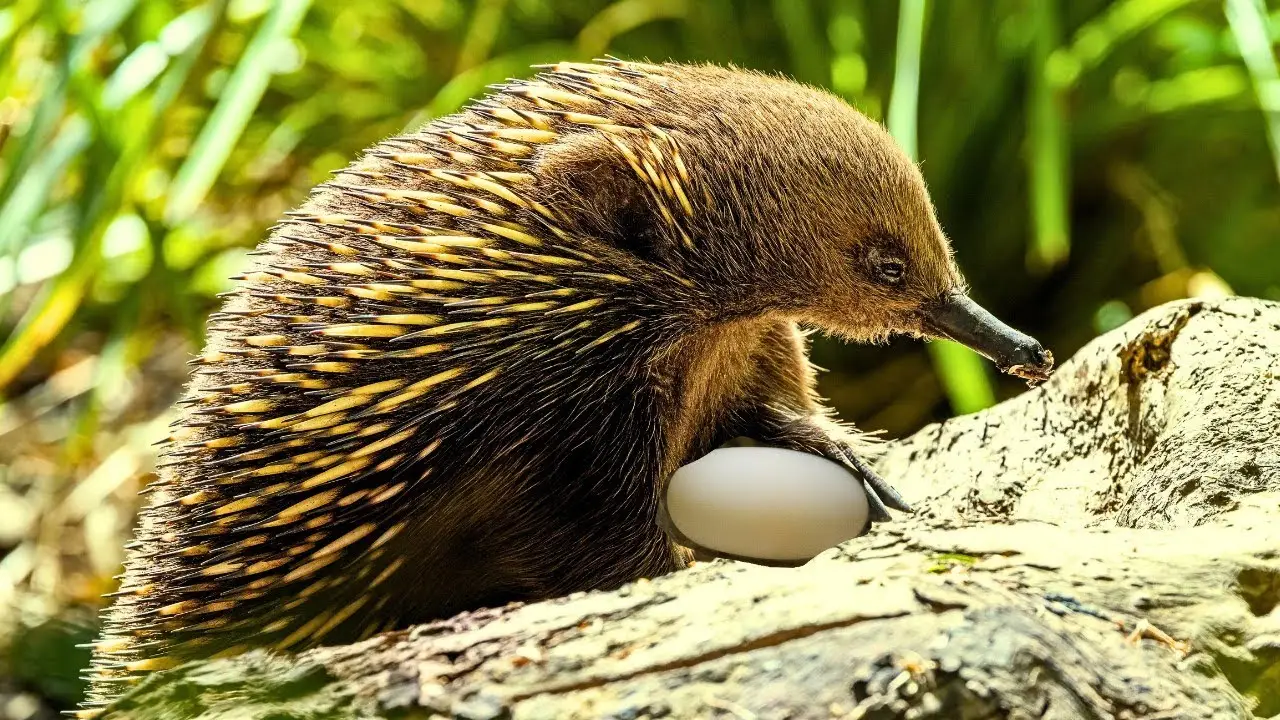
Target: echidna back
{"type": "Point", "coordinates": [391, 392]}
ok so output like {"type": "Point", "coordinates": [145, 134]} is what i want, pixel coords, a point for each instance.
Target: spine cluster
{"type": "Point", "coordinates": [404, 292]}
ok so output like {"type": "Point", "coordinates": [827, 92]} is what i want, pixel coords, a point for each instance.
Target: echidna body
{"type": "Point", "coordinates": [462, 372]}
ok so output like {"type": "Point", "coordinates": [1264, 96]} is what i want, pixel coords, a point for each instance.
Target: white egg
{"type": "Point", "coordinates": [766, 504]}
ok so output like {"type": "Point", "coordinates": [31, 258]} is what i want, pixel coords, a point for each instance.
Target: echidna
{"type": "Point", "coordinates": [462, 372]}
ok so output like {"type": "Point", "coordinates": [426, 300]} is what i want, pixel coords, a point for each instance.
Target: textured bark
{"type": "Point", "coordinates": [1105, 546]}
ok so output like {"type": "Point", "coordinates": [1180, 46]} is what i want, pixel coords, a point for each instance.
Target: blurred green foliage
{"type": "Point", "coordinates": [1089, 158]}
{"type": "Point", "coordinates": [1078, 151]}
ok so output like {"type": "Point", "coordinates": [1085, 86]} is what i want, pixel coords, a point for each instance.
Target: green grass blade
{"type": "Point", "coordinates": [486, 20]}
{"type": "Point", "coordinates": [1051, 243]}
{"type": "Point", "coordinates": [904, 99]}
{"type": "Point", "coordinates": [200, 24]}
{"type": "Point", "coordinates": [57, 304]}
{"type": "Point", "coordinates": [31, 193]}
{"type": "Point", "coordinates": [15, 22]}
{"type": "Point", "coordinates": [1104, 34]}
{"type": "Point", "coordinates": [848, 61]}
{"type": "Point", "coordinates": [623, 16]}
{"type": "Point", "coordinates": [962, 372]}
{"type": "Point", "coordinates": [52, 310]}
{"type": "Point", "coordinates": [48, 111]}
{"type": "Point", "coordinates": [241, 95]}
{"type": "Point", "coordinates": [807, 45]}
{"type": "Point", "coordinates": [471, 83]}
{"type": "Point", "coordinates": [1250, 26]}
{"type": "Point", "coordinates": [99, 19]}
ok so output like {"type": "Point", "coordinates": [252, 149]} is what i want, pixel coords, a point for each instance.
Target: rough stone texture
{"type": "Point", "coordinates": [1105, 546]}
{"type": "Point", "coordinates": [1163, 423]}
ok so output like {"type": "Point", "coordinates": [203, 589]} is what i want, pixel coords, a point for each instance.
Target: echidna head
{"type": "Point", "coordinates": [835, 223]}
{"type": "Point", "coordinates": [885, 266]}
{"type": "Point", "coordinates": [774, 198]}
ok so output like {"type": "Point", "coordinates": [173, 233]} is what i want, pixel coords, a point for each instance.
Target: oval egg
{"type": "Point", "coordinates": [766, 504]}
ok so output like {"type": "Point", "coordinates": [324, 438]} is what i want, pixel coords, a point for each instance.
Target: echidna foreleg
{"type": "Point", "coordinates": [817, 435]}
{"type": "Point", "coordinates": [783, 409]}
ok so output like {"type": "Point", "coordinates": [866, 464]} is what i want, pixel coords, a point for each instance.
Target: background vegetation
{"type": "Point", "coordinates": [1090, 159]}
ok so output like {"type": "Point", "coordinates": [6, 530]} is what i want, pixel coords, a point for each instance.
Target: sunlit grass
{"type": "Point", "coordinates": [904, 100]}
{"type": "Point", "coordinates": [1250, 26]}
{"type": "Point", "coordinates": [236, 103]}
{"type": "Point", "coordinates": [806, 46]}
{"type": "Point", "coordinates": [962, 372]}
{"type": "Point", "coordinates": [1047, 134]}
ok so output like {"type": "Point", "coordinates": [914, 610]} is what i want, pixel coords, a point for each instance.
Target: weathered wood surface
{"type": "Point", "coordinates": [1107, 545]}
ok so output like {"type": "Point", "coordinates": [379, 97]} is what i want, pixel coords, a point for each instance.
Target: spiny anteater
{"type": "Point", "coordinates": [461, 374]}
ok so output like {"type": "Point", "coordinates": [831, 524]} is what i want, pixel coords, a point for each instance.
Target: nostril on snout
{"type": "Point", "coordinates": [1032, 354]}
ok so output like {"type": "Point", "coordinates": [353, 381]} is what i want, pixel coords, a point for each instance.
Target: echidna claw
{"type": "Point", "coordinates": [805, 436]}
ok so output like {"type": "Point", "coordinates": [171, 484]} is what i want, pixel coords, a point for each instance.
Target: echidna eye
{"type": "Point", "coordinates": [891, 271]}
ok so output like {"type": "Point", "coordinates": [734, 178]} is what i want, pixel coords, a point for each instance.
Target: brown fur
{"type": "Point", "coordinates": [547, 477]}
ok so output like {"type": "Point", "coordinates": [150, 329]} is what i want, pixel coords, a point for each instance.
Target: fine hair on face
{"type": "Point", "coordinates": [809, 208]}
